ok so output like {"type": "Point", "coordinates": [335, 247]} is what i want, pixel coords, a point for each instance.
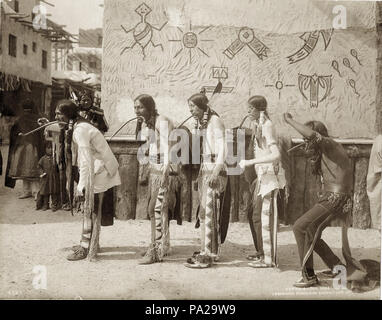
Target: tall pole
{"type": "Point", "coordinates": [55, 57]}
{"type": "Point", "coordinates": [378, 122]}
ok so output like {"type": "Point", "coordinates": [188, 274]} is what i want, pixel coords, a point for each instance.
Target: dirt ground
{"type": "Point", "coordinates": [30, 238]}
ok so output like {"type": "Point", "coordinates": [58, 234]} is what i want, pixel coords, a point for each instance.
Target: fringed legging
{"type": "Point", "coordinates": [162, 200]}
{"type": "Point", "coordinates": [209, 233]}
{"type": "Point", "coordinates": [91, 227]}
{"type": "Point", "coordinates": [161, 231]}
{"type": "Point", "coordinates": [210, 211]}
{"type": "Point", "coordinates": [308, 229]}
{"type": "Point", "coordinates": [269, 227]}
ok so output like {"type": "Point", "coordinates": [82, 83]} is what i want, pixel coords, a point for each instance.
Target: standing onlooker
{"type": "Point", "coordinates": [374, 182]}
{"type": "Point", "coordinates": [48, 187]}
{"type": "Point", "coordinates": [60, 199]}
{"type": "Point", "coordinates": [24, 152]}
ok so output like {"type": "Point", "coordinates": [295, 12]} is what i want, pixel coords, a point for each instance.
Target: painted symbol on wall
{"type": "Point", "coordinates": [347, 64]}
{"type": "Point", "coordinates": [354, 53]}
{"type": "Point", "coordinates": [246, 37]}
{"type": "Point", "coordinates": [352, 84]}
{"type": "Point", "coordinates": [218, 73]}
{"type": "Point", "coordinates": [313, 83]}
{"type": "Point", "coordinates": [310, 39]}
{"type": "Point", "coordinates": [190, 41]}
{"type": "Point", "coordinates": [143, 31]}
{"type": "Point", "coordinates": [279, 85]}
{"type": "Point", "coordinates": [335, 66]}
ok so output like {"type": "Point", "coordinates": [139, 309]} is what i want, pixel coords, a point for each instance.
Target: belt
{"type": "Point", "coordinates": [331, 187]}
{"type": "Point", "coordinates": [157, 158]}
{"type": "Point", "coordinates": [209, 158]}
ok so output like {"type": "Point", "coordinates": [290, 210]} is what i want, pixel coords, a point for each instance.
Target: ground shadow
{"type": "Point", "coordinates": [232, 255]}
{"type": "Point", "coordinates": [126, 253]}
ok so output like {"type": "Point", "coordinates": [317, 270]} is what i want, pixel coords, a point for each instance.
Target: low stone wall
{"type": "Point", "coordinates": [132, 195]}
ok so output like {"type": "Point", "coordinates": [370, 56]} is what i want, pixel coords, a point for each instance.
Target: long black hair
{"type": "Point", "coordinates": [315, 160]}
{"type": "Point", "coordinates": [200, 100]}
{"type": "Point", "coordinates": [148, 102]}
{"type": "Point", "coordinates": [259, 103]}
{"type": "Point", "coordinates": [68, 108]}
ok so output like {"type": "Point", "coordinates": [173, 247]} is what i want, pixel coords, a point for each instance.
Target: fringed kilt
{"type": "Point", "coordinates": [170, 193]}
{"type": "Point", "coordinates": [211, 203]}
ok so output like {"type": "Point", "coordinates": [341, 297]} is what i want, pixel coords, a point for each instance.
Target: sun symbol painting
{"type": "Point", "coordinates": [190, 41]}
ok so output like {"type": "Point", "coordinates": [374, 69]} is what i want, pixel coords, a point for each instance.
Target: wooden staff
{"type": "Point", "coordinates": [184, 122]}
{"type": "Point", "coordinates": [40, 128]}
{"type": "Point", "coordinates": [296, 147]}
{"type": "Point", "coordinates": [121, 127]}
{"type": "Point", "coordinates": [242, 121]}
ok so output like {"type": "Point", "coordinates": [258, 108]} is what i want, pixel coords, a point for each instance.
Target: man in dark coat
{"type": "Point", "coordinates": [25, 152]}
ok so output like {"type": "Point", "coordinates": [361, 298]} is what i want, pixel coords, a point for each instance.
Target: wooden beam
{"type": "Point", "coordinates": [26, 21]}
{"type": "Point", "coordinates": [48, 3]}
{"type": "Point", "coordinates": [27, 25]}
{"type": "Point", "coordinates": [342, 141]}
{"type": "Point", "coordinates": [14, 14]}
{"type": "Point", "coordinates": [19, 16]}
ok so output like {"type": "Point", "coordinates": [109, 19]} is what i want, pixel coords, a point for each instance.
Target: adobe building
{"type": "Point", "coordinates": [317, 60]}
{"type": "Point", "coordinates": [25, 57]}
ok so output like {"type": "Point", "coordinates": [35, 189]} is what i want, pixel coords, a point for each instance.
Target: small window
{"type": "Point", "coordinates": [12, 45]}
{"type": "Point", "coordinates": [34, 46]}
{"type": "Point", "coordinates": [93, 64]}
{"type": "Point", "coordinates": [17, 6]}
{"type": "Point", "coordinates": [25, 49]}
{"type": "Point", "coordinates": [44, 59]}
{"type": "Point", "coordinates": [80, 66]}
{"type": "Point", "coordinates": [100, 40]}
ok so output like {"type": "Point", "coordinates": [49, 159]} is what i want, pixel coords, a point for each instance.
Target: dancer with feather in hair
{"type": "Point", "coordinates": [163, 177]}
{"type": "Point", "coordinates": [270, 179]}
{"type": "Point", "coordinates": [98, 174]}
